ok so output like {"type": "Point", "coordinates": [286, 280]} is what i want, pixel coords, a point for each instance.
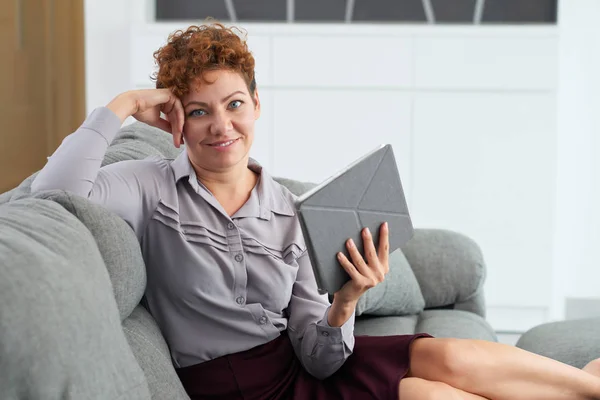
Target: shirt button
{"type": "Point", "coordinates": [230, 225]}
{"type": "Point", "coordinates": [239, 257]}
{"type": "Point", "coordinates": [262, 320]}
{"type": "Point", "coordinates": [240, 300]}
{"type": "Point", "coordinates": [325, 333]}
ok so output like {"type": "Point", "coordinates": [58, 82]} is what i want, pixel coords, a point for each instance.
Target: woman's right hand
{"type": "Point", "coordinates": [146, 106]}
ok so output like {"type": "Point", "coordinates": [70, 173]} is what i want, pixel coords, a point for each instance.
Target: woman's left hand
{"type": "Point", "coordinates": [364, 274]}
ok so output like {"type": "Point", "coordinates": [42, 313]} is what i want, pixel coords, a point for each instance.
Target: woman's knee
{"type": "Point", "coordinates": [447, 360]}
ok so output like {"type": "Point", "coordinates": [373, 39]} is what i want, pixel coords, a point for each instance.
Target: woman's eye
{"type": "Point", "coordinates": [235, 104]}
{"type": "Point", "coordinates": [197, 113]}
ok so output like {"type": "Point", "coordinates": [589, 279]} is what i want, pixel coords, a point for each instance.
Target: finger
{"type": "Point", "coordinates": [173, 118]}
{"type": "Point", "coordinates": [177, 118]}
{"type": "Point", "coordinates": [349, 267]}
{"type": "Point", "coordinates": [369, 246]}
{"type": "Point", "coordinates": [376, 267]}
{"type": "Point", "coordinates": [149, 103]}
{"type": "Point", "coordinates": [357, 258]}
{"type": "Point", "coordinates": [173, 115]}
{"type": "Point", "coordinates": [180, 119]}
{"type": "Point", "coordinates": [181, 113]}
{"type": "Point", "coordinates": [154, 97]}
{"type": "Point", "coordinates": [162, 124]}
{"type": "Point", "coordinates": [384, 243]}
{"type": "Point", "coordinates": [167, 108]}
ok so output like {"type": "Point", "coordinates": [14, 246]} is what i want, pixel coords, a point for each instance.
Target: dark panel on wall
{"type": "Point", "coordinates": [261, 10]}
{"type": "Point", "coordinates": [389, 11]}
{"type": "Point", "coordinates": [319, 10]}
{"type": "Point", "coordinates": [185, 9]}
{"type": "Point", "coordinates": [520, 11]}
{"type": "Point", "coordinates": [365, 11]}
{"type": "Point", "coordinates": [455, 11]}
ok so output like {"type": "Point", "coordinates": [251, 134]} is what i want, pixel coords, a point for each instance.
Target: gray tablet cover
{"type": "Point", "coordinates": [365, 194]}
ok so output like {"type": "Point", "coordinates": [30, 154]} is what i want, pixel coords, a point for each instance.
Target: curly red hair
{"type": "Point", "coordinates": [189, 54]}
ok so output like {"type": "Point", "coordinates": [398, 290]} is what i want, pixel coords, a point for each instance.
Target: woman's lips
{"type": "Point", "coordinates": [223, 145]}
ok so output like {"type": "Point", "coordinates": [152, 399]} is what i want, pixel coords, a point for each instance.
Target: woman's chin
{"type": "Point", "coordinates": [223, 162]}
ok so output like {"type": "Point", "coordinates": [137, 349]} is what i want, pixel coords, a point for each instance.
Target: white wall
{"type": "Point", "coordinates": [577, 235]}
{"type": "Point", "coordinates": [469, 110]}
{"type": "Point", "coordinates": [106, 50]}
{"type": "Point", "coordinates": [108, 27]}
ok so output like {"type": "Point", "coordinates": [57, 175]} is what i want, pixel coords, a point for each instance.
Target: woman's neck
{"type": "Point", "coordinates": [233, 184]}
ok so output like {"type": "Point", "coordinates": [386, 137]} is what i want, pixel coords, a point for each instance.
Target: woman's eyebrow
{"type": "Point", "coordinates": [203, 104]}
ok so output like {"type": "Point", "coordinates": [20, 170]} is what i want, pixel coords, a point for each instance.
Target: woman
{"type": "Point", "coordinates": [229, 280]}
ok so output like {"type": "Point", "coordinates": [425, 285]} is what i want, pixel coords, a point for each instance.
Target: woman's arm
{"type": "Point", "coordinates": [75, 164]}
{"type": "Point", "coordinates": [128, 188]}
{"type": "Point", "coordinates": [324, 344]}
{"type": "Point", "coordinates": [321, 347]}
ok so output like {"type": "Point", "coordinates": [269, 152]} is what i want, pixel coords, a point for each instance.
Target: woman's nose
{"type": "Point", "coordinates": [221, 124]}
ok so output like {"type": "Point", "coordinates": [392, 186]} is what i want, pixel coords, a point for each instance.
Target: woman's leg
{"type": "Point", "coordinates": [420, 389]}
{"type": "Point", "coordinates": [593, 367]}
{"type": "Point", "coordinates": [498, 371]}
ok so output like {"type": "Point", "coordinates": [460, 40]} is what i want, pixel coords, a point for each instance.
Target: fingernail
{"type": "Point", "coordinates": [339, 255]}
{"type": "Point", "coordinates": [351, 242]}
{"type": "Point", "coordinates": [367, 232]}
{"type": "Point", "coordinates": [385, 224]}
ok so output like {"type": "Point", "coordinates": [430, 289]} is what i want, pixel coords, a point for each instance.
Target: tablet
{"type": "Point", "coordinates": [366, 193]}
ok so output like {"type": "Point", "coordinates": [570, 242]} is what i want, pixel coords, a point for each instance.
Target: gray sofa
{"type": "Point", "coordinates": [574, 342]}
{"type": "Point", "coordinates": [72, 278]}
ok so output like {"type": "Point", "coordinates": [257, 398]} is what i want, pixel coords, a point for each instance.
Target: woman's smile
{"type": "Point", "coordinates": [223, 145]}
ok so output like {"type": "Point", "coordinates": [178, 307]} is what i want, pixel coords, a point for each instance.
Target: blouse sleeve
{"type": "Point", "coordinates": [128, 188]}
{"type": "Point", "coordinates": [322, 349]}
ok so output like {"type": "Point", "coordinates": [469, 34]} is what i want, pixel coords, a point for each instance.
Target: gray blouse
{"type": "Point", "coordinates": [216, 284]}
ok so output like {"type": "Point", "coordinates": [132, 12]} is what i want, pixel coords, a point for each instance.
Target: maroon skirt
{"type": "Point", "coordinates": [272, 371]}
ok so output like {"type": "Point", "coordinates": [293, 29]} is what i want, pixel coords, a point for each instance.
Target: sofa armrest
{"type": "Point", "coordinates": [573, 342]}
{"type": "Point", "coordinates": [449, 268]}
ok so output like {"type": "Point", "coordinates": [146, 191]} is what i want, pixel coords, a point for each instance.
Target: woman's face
{"type": "Point", "coordinates": [219, 124]}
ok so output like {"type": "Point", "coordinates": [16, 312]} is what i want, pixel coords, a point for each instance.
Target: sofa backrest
{"type": "Point", "coordinates": [60, 328]}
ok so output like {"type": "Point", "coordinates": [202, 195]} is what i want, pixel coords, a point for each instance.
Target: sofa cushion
{"type": "Point", "coordinates": [438, 323]}
{"type": "Point", "coordinates": [60, 331]}
{"type": "Point", "coordinates": [296, 187]}
{"type": "Point", "coordinates": [138, 141]}
{"type": "Point", "coordinates": [117, 243]}
{"type": "Point", "coordinates": [152, 353]}
{"type": "Point", "coordinates": [455, 324]}
{"type": "Point", "coordinates": [384, 326]}
{"type": "Point", "coordinates": [398, 294]}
